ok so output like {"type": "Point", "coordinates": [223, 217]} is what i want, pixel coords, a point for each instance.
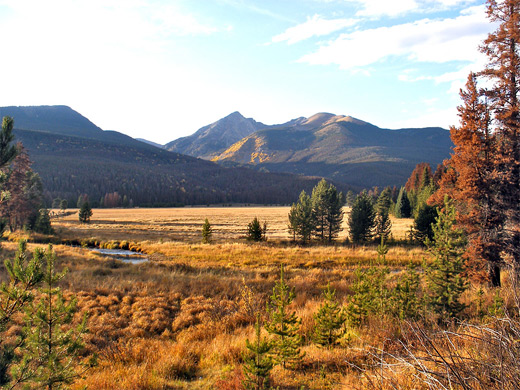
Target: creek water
{"type": "Point", "coordinates": [122, 255]}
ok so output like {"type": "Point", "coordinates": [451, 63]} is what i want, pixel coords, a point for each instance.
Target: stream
{"type": "Point", "coordinates": [122, 255]}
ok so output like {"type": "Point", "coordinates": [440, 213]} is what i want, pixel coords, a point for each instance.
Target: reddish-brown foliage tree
{"type": "Point", "coordinates": [502, 48]}
{"type": "Point", "coordinates": [469, 180]}
{"type": "Point", "coordinates": [24, 189]}
{"type": "Point", "coordinates": [421, 176]}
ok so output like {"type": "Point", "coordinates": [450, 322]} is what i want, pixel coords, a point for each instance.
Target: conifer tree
{"type": "Point", "coordinates": [405, 295]}
{"type": "Point", "coordinates": [283, 325]}
{"type": "Point", "coordinates": [319, 206]}
{"type": "Point", "coordinates": [15, 295]}
{"type": "Point", "coordinates": [423, 223]}
{"type": "Point", "coordinates": [301, 218]}
{"type": "Point", "coordinates": [85, 212]}
{"type": "Point", "coordinates": [330, 320]}
{"type": "Point", "coordinates": [8, 151]}
{"type": "Point", "coordinates": [362, 219]}
{"type": "Point", "coordinates": [334, 216]}
{"type": "Point", "coordinates": [51, 352]}
{"type": "Point", "coordinates": [502, 47]}
{"type": "Point", "coordinates": [382, 221]}
{"type": "Point", "coordinates": [445, 279]}
{"type": "Point", "coordinates": [469, 180]}
{"type": "Point", "coordinates": [257, 363]}
{"type": "Point", "coordinates": [207, 232]}
{"type": "Point", "coordinates": [255, 231]}
{"type": "Point", "coordinates": [402, 206]}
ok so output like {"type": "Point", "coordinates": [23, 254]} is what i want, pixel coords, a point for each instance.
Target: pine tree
{"type": "Point", "coordinates": [469, 180]}
{"type": "Point", "coordinates": [329, 320]}
{"type": "Point", "coordinates": [7, 150]}
{"type": "Point", "coordinates": [301, 218]}
{"type": "Point", "coordinates": [51, 352]}
{"type": "Point", "coordinates": [445, 279]}
{"type": "Point", "coordinates": [85, 212]}
{"type": "Point", "coordinates": [257, 362]}
{"type": "Point", "coordinates": [502, 47]}
{"type": "Point", "coordinates": [402, 206]}
{"type": "Point", "coordinates": [207, 232]}
{"type": "Point", "coordinates": [255, 231]}
{"type": "Point", "coordinates": [283, 325]}
{"type": "Point", "coordinates": [43, 222]}
{"type": "Point", "coordinates": [24, 276]}
{"type": "Point", "coordinates": [319, 207]}
{"type": "Point", "coordinates": [382, 221]}
{"type": "Point", "coordinates": [362, 219]}
{"type": "Point", "coordinates": [405, 295]}
{"type": "Point", "coordinates": [334, 205]}
{"type": "Point", "coordinates": [423, 223]}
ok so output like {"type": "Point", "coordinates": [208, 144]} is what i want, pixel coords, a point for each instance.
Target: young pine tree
{"type": "Point", "coordinates": [445, 279]}
{"type": "Point", "coordinates": [85, 212]}
{"type": "Point", "coordinates": [405, 296]}
{"type": "Point", "coordinates": [283, 325]}
{"type": "Point", "coordinates": [15, 295]}
{"type": "Point", "coordinates": [255, 231]}
{"type": "Point", "coordinates": [51, 346]}
{"type": "Point", "coordinates": [403, 209]}
{"type": "Point", "coordinates": [382, 220]}
{"type": "Point", "coordinates": [330, 320]}
{"type": "Point", "coordinates": [257, 362]}
{"type": "Point", "coordinates": [301, 218]}
{"type": "Point", "coordinates": [362, 219]}
{"type": "Point", "coordinates": [207, 232]}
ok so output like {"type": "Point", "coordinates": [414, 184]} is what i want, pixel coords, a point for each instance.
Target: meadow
{"type": "Point", "coordinates": [181, 320]}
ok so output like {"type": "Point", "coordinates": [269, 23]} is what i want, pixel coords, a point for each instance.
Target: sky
{"type": "Point", "coordinates": [161, 69]}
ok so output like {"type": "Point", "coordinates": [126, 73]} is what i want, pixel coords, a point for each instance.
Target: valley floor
{"type": "Point", "coordinates": [181, 320]}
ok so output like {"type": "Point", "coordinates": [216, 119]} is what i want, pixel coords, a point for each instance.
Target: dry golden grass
{"type": "Point", "coordinates": [180, 321]}
{"type": "Point", "coordinates": [184, 224]}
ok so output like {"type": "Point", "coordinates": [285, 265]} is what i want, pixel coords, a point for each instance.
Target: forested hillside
{"type": "Point", "coordinates": [74, 157]}
{"type": "Point", "coordinates": [70, 166]}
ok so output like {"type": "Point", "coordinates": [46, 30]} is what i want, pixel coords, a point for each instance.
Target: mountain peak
{"type": "Point", "coordinates": [234, 115]}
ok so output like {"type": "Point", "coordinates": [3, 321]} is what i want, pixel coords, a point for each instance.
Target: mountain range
{"type": "Point", "coordinates": [74, 156]}
{"type": "Point", "coordinates": [346, 150]}
{"type": "Point", "coordinates": [234, 159]}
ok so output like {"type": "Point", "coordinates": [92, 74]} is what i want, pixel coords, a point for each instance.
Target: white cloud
{"type": "Point", "coordinates": [313, 27]}
{"type": "Point", "coordinates": [380, 8]}
{"type": "Point", "coordinates": [434, 41]}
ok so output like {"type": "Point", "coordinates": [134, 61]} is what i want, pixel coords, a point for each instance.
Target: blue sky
{"type": "Point", "coordinates": [162, 69]}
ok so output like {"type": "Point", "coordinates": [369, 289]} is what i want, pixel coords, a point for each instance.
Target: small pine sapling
{"type": "Point", "coordinates": [257, 362]}
{"type": "Point", "coordinates": [445, 274]}
{"type": "Point", "coordinates": [207, 232]}
{"type": "Point", "coordinates": [255, 231]}
{"type": "Point", "coordinates": [330, 320]}
{"type": "Point", "coordinates": [283, 325]}
{"type": "Point", "coordinates": [52, 346]}
{"type": "Point", "coordinates": [24, 276]}
{"type": "Point", "coordinates": [406, 294]}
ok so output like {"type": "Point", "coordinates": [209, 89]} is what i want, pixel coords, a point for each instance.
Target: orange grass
{"type": "Point", "coordinates": [180, 321]}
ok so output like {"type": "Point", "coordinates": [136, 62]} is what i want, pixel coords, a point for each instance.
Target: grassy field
{"type": "Point", "coordinates": [184, 224]}
{"type": "Point", "coordinates": [180, 321]}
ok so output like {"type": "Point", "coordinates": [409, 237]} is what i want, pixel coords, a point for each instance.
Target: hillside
{"type": "Point", "coordinates": [209, 141]}
{"type": "Point", "coordinates": [78, 157]}
{"type": "Point", "coordinates": [341, 148]}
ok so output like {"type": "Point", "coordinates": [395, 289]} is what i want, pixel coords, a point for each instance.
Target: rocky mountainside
{"type": "Point", "coordinates": [341, 148]}
{"type": "Point", "coordinates": [211, 140]}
